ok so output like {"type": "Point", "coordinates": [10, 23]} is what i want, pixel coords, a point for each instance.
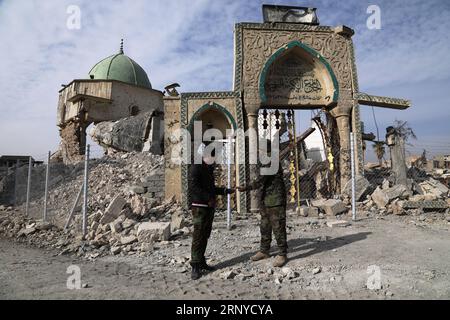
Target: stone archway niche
{"type": "Point", "coordinates": [298, 77]}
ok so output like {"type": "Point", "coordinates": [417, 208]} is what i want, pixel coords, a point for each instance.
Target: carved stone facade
{"type": "Point", "coordinates": [193, 105]}
{"type": "Point", "coordinates": [284, 66]}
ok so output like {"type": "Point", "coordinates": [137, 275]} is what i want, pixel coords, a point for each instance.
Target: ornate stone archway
{"type": "Point", "coordinates": [297, 75]}
{"type": "Point", "coordinates": [230, 105]}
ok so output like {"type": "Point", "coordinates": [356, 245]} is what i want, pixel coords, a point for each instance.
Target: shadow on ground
{"type": "Point", "coordinates": [303, 247]}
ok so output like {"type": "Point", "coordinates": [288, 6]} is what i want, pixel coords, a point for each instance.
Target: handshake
{"type": "Point", "coordinates": [239, 188]}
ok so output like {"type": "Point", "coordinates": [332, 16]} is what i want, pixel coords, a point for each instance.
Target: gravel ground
{"type": "Point", "coordinates": [325, 263]}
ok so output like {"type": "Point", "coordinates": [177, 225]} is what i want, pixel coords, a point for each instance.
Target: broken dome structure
{"type": "Point", "coordinates": [117, 88]}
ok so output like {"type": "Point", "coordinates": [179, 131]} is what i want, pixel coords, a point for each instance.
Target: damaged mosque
{"type": "Point", "coordinates": [288, 62]}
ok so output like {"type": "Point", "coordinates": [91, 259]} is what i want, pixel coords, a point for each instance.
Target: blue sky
{"type": "Point", "coordinates": [191, 42]}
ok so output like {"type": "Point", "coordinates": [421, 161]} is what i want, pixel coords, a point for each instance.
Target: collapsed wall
{"type": "Point", "coordinates": [137, 133]}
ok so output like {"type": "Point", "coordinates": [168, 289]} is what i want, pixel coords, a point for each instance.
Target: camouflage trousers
{"type": "Point", "coordinates": [203, 220]}
{"type": "Point", "coordinates": [273, 219]}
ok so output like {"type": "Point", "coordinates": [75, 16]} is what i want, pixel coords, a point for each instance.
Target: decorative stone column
{"type": "Point", "coordinates": [397, 150]}
{"type": "Point", "coordinates": [342, 116]}
{"type": "Point", "coordinates": [253, 158]}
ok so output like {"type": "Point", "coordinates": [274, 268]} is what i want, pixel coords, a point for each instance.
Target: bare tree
{"type": "Point", "coordinates": [403, 129]}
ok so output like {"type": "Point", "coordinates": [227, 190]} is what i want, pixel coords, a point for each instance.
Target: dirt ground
{"type": "Point", "coordinates": [327, 263]}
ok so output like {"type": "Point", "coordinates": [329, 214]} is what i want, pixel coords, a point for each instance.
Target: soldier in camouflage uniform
{"type": "Point", "coordinates": [273, 215]}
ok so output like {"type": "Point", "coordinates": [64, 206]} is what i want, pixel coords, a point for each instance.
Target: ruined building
{"type": "Point", "coordinates": [288, 62]}
{"type": "Point", "coordinates": [117, 88]}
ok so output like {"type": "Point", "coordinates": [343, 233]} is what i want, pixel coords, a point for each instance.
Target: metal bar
{"type": "Point", "coordinates": [305, 134]}
{"type": "Point", "coordinates": [352, 157]}
{"type": "Point", "coordinates": [228, 183]}
{"type": "Point", "coordinates": [85, 190]}
{"type": "Point", "coordinates": [72, 211]}
{"type": "Point", "coordinates": [27, 207]}
{"type": "Point", "coordinates": [47, 175]}
{"type": "Point", "coordinates": [16, 178]}
{"type": "Point", "coordinates": [383, 102]}
{"type": "Point", "coordinates": [296, 158]}
{"type": "Point", "coordinates": [300, 138]}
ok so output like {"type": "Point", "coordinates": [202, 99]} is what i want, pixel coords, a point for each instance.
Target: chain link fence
{"type": "Point", "coordinates": [49, 190]}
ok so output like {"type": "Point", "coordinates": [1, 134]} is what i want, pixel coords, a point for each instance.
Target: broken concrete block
{"type": "Point", "coordinates": [178, 222]}
{"type": "Point", "coordinates": [124, 135]}
{"type": "Point", "coordinates": [139, 205]}
{"type": "Point", "coordinates": [383, 197]}
{"type": "Point", "coordinates": [128, 223]}
{"type": "Point", "coordinates": [398, 208]}
{"type": "Point", "coordinates": [113, 210]}
{"type": "Point", "coordinates": [116, 226]}
{"type": "Point", "coordinates": [115, 250]}
{"type": "Point", "coordinates": [128, 240]}
{"type": "Point", "coordinates": [43, 226]}
{"type": "Point", "coordinates": [337, 223]}
{"type": "Point", "coordinates": [380, 198]}
{"type": "Point", "coordinates": [331, 207]}
{"type": "Point", "coordinates": [161, 230]}
{"type": "Point", "coordinates": [26, 231]}
{"type": "Point", "coordinates": [135, 190]}
{"type": "Point", "coordinates": [226, 275]}
{"type": "Point", "coordinates": [398, 191]}
{"type": "Point", "coordinates": [362, 187]}
{"type": "Point", "coordinates": [305, 211]}
{"type": "Point", "coordinates": [432, 187]}
{"type": "Point", "coordinates": [96, 216]}
{"type": "Point", "coordinates": [318, 203]}
{"type": "Point", "coordinates": [146, 246]}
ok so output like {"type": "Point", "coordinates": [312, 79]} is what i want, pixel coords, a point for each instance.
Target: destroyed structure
{"type": "Point", "coordinates": [138, 195]}
{"type": "Point", "coordinates": [117, 88]}
{"type": "Point", "coordinates": [289, 62]}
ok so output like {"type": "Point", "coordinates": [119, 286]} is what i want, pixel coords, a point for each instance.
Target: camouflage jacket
{"type": "Point", "coordinates": [272, 189]}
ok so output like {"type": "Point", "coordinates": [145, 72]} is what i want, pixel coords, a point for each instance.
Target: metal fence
{"type": "Point", "coordinates": [307, 178]}
{"type": "Point", "coordinates": [28, 185]}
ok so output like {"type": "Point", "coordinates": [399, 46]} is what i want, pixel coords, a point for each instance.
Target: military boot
{"type": "Point", "coordinates": [205, 266]}
{"type": "Point", "coordinates": [260, 256]}
{"type": "Point", "coordinates": [280, 261]}
{"type": "Point", "coordinates": [196, 272]}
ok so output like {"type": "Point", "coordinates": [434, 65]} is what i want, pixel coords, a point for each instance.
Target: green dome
{"type": "Point", "coordinates": [122, 68]}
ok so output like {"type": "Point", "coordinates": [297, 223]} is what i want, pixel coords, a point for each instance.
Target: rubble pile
{"type": "Point", "coordinates": [423, 193]}
{"type": "Point", "coordinates": [117, 230]}
{"type": "Point", "coordinates": [137, 177]}
{"type": "Point", "coordinates": [377, 194]}
{"type": "Point", "coordinates": [126, 208]}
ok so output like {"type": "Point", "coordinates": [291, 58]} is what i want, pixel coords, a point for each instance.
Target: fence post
{"type": "Point", "coordinates": [27, 207]}
{"type": "Point", "coordinates": [47, 175]}
{"type": "Point", "coordinates": [16, 178]}
{"type": "Point", "coordinates": [352, 157]}
{"type": "Point", "coordinates": [228, 152]}
{"type": "Point", "coordinates": [72, 212]}
{"type": "Point", "coordinates": [85, 190]}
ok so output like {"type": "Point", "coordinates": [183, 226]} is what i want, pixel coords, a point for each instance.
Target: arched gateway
{"type": "Point", "coordinates": [280, 65]}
